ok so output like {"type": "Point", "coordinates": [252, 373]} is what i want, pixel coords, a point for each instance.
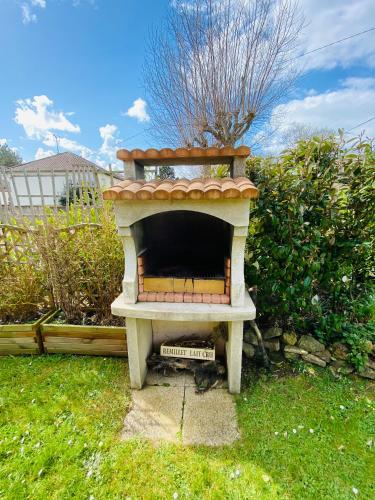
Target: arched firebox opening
{"type": "Point", "coordinates": [183, 244]}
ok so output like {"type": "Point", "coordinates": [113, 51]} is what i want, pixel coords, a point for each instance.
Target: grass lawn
{"type": "Point", "coordinates": [60, 419]}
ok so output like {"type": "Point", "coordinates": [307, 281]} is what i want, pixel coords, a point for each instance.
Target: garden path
{"type": "Point", "coordinates": [168, 408]}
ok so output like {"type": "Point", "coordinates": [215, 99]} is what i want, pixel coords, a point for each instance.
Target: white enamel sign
{"type": "Point", "coordinates": [187, 352]}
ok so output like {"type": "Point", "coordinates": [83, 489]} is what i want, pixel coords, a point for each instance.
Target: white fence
{"type": "Point", "coordinates": [26, 193]}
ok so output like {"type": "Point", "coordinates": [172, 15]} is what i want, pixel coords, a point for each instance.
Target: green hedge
{"type": "Point", "coordinates": [310, 249]}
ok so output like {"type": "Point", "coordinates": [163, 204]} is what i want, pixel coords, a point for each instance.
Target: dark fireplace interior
{"type": "Point", "coordinates": [183, 244]}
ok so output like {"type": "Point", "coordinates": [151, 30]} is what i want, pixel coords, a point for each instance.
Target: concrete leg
{"type": "Point", "coordinates": [234, 355]}
{"type": "Point", "coordinates": [139, 340]}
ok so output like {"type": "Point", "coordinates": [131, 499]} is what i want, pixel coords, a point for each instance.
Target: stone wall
{"type": "Point", "coordinates": [290, 346]}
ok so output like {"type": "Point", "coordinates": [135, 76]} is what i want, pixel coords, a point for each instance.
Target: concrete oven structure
{"type": "Point", "coordinates": [184, 243]}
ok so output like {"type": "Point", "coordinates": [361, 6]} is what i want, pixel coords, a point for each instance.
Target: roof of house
{"type": "Point", "coordinates": [180, 189]}
{"type": "Point", "coordinates": [60, 162]}
{"type": "Point", "coordinates": [184, 156]}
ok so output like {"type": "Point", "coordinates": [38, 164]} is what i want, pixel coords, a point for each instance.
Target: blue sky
{"type": "Point", "coordinates": [73, 68]}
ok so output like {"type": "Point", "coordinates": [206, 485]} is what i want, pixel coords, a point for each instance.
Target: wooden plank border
{"type": "Point", "coordinates": [88, 340]}
{"type": "Point", "coordinates": [23, 334]}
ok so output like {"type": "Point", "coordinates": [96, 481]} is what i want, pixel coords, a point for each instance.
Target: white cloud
{"type": "Point", "coordinates": [28, 8]}
{"type": "Point", "coordinates": [43, 153]}
{"type": "Point", "coordinates": [39, 3]}
{"type": "Point", "coordinates": [67, 144]}
{"type": "Point", "coordinates": [27, 15]}
{"type": "Point", "coordinates": [106, 153]}
{"type": "Point", "coordinates": [330, 21]}
{"type": "Point", "coordinates": [345, 107]}
{"type": "Point", "coordinates": [38, 117]}
{"type": "Point", "coordinates": [108, 134]}
{"type": "Point", "coordinates": [138, 110]}
{"type": "Point", "coordinates": [40, 121]}
{"type": "Point", "coordinates": [43, 123]}
{"type": "Point", "coordinates": [2, 141]}
{"type": "Point", "coordinates": [77, 3]}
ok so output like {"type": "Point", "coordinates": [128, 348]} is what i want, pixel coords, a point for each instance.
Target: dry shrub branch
{"type": "Point", "coordinates": [84, 266]}
{"type": "Point", "coordinates": [23, 292]}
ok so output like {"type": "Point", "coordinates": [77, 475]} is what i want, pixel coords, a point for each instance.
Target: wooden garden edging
{"type": "Point", "coordinates": [89, 340]}
{"type": "Point", "coordinates": [23, 338]}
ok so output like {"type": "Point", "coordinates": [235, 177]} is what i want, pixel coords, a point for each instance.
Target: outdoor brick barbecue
{"type": "Point", "coordinates": [184, 243]}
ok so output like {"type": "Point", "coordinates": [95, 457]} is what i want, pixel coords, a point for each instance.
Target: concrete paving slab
{"type": "Point", "coordinates": [189, 380]}
{"type": "Point", "coordinates": [173, 380]}
{"type": "Point", "coordinates": [209, 418]}
{"type": "Point", "coordinates": [156, 414]}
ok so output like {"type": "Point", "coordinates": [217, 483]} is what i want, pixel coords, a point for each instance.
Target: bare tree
{"type": "Point", "coordinates": [281, 134]}
{"type": "Point", "coordinates": [219, 66]}
{"type": "Point", "coordinates": [302, 131]}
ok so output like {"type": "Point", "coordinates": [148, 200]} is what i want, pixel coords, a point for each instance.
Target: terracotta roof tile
{"type": "Point", "coordinates": [181, 189]}
{"type": "Point", "coordinates": [183, 155]}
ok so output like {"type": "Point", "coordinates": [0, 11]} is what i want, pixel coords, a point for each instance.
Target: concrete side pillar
{"type": "Point", "coordinates": [237, 293]}
{"type": "Point", "coordinates": [139, 340]}
{"type": "Point", "coordinates": [234, 355]}
{"type": "Point", "coordinates": [133, 170]}
{"type": "Point", "coordinates": [130, 281]}
{"type": "Point", "coordinates": [238, 168]}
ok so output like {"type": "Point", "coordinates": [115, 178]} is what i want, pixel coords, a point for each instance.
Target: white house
{"type": "Point", "coordinates": [47, 181]}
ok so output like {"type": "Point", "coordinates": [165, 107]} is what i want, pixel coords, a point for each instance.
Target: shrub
{"type": "Point", "coordinates": [359, 339]}
{"type": "Point", "coordinates": [23, 291]}
{"type": "Point", "coordinates": [102, 266]}
{"type": "Point", "coordinates": [84, 264]}
{"type": "Point", "coordinates": [311, 246]}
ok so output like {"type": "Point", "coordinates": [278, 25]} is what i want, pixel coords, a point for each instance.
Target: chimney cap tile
{"type": "Point", "coordinates": [184, 156]}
